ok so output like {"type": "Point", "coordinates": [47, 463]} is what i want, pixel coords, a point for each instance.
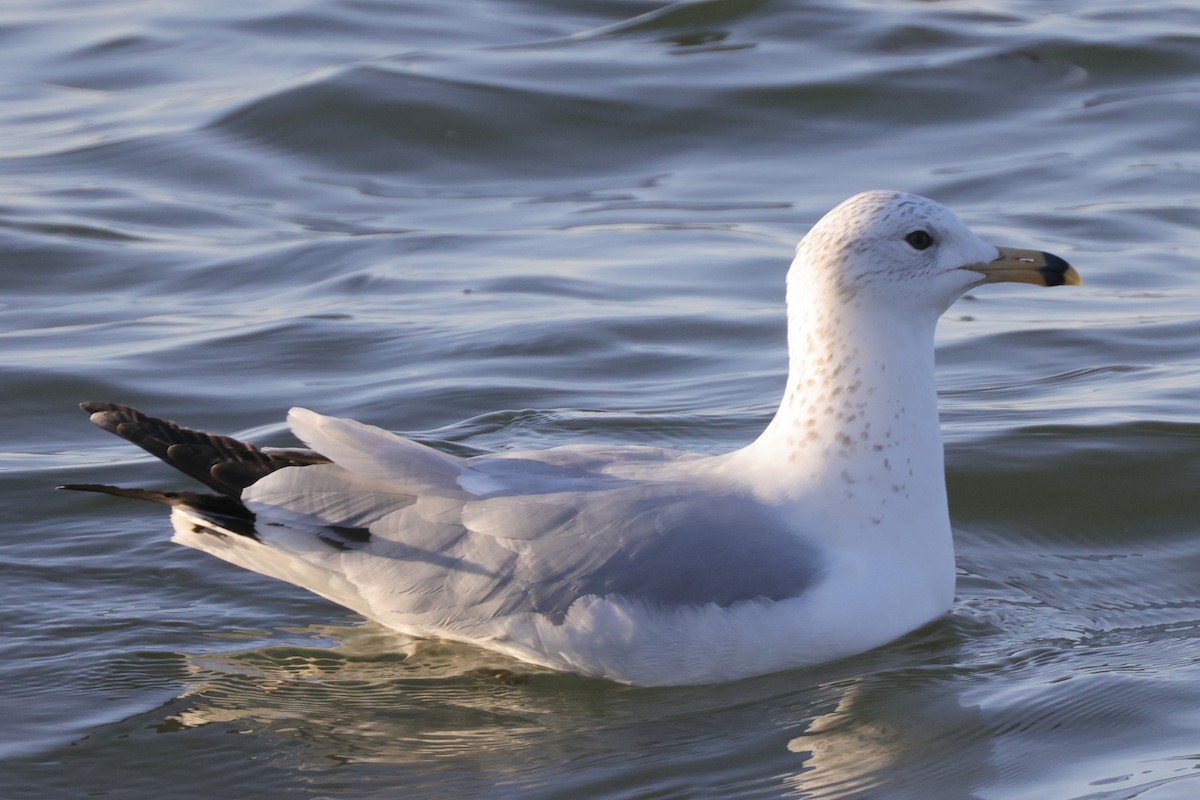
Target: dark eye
{"type": "Point", "coordinates": [920, 240]}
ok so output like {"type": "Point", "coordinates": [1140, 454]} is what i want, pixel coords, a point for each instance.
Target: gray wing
{"type": "Point", "coordinates": [442, 541]}
{"type": "Point", "coordinates": [436, 551]}
{"type": "Point", "coordinates": [663, 545]}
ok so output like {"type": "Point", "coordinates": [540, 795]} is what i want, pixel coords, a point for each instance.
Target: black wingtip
{"type": "Point", "coordinates": [222, 511]}
{"type": "Point", "coordinates": [110, 416]}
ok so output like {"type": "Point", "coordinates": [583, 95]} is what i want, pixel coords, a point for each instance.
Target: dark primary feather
{"type": "Point", "coordinates": [227, 512]}
{"type": "Point", "coordinates": [220, 462]}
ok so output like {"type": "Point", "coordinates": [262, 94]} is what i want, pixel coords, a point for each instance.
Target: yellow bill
{"type": "Point", "coordinates": [1027, 266]}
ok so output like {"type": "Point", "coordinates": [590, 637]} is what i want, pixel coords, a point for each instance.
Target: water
{"type": "Point", "coordinates": [525, 223]}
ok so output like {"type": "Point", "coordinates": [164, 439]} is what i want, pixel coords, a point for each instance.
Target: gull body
{"type": "Point", "coordinates": [826, 536]}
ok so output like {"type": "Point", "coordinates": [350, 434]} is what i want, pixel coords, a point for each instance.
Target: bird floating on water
{"type": "Point", "coordinates": [826, 536]}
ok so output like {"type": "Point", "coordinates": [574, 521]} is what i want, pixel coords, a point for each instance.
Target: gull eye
{"type": "Point", "coordinates": [920, 240]}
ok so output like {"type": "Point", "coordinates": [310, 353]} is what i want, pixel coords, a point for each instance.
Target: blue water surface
{"type": "Point", "coordinates": [520, 223]}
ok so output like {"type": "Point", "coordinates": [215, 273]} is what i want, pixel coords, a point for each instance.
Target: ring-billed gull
{"type": "Point", "coordinates": [826, 536]}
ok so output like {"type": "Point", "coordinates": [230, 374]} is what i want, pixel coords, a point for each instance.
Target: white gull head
{"type": "Point", "coordinates": [907, 252]}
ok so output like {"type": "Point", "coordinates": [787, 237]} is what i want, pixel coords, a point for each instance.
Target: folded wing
{"type": "Point", "coordinates": [439, 555]}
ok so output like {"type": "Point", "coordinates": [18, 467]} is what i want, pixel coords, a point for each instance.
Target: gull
{"type": "Point", "coordinates": [826, 536]}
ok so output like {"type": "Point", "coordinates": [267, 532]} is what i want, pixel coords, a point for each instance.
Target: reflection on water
{"type": "Point", "coordinates": [883, 727]}
{"type": "Point", "coordinates": [373, 696]}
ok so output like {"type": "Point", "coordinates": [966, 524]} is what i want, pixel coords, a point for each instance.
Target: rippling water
{"type": "Point", "coordinates": [520, 223]}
